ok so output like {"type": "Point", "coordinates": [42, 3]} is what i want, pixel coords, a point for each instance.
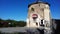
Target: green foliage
{"type": "Point", "coordinates": [21, 23]}
{"type": "Point", "coordinates": [12, 23]}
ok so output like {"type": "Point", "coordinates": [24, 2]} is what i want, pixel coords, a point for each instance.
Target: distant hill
{"type": "Point", "coordinates": [11, 23]}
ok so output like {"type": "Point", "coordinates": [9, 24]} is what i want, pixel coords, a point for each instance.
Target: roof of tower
{"type": "Point", "coordinates": [37, 3]}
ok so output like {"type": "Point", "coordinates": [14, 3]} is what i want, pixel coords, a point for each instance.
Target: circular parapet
{"type": "Point", "coordinates": [38, 3]}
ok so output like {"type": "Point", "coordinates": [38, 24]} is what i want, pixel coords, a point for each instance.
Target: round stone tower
{"type": "Point", "coordinates": [38, 14]}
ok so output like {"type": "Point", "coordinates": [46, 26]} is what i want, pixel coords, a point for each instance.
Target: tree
{"type": "Point", "coordinates": [21, 23]}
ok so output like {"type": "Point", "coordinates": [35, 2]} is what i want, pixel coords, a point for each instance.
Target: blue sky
{"type": "Point", "coordinates": [17, 9]}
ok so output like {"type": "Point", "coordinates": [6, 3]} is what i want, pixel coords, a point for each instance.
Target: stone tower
{"type": "Point", "coordinates": [38, 15]}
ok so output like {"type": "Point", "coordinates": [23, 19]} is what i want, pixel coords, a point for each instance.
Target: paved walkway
{"type": "Point", "coordinates": [13, 29]}
{"type": "Point", "coordinates": [16, 29]}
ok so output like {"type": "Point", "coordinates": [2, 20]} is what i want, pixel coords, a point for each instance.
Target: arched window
{"type": "Point", "coordinates": [36, 23]}
{"type": "Point", "coordinates": [42, 23]}
{"type": "Point", "coordinates": [32, 9]}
